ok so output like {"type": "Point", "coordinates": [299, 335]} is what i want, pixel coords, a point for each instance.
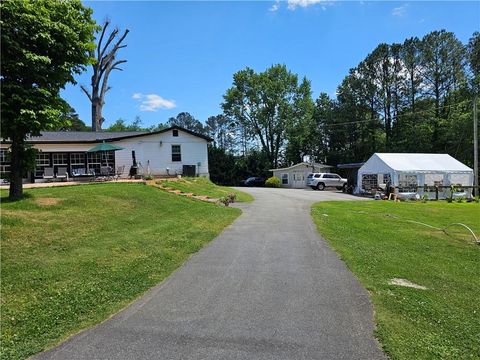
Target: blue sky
{"type": "Point", "coordinates": [182, 55]}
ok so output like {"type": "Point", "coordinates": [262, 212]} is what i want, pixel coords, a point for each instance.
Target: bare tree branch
{"type": "Point", "coordinates": [105, 63]}
{"type": "Point", "coordinates": [101, 37]}
{"type": "Point", "coordinates": [86, 92]}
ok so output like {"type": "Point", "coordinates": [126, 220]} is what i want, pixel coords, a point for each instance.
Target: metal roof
{"type": "Point", "coordinates": [81, 136]}
{"type": "Point", "coordinates": [350, 165]}
{"type": "Point", "coordinates": [317, 165]}
{"type": "Point", "coordinates": [69, 137]}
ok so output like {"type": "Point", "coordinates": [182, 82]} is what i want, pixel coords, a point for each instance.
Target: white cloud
{"type": "Point", "coordinates": [400, 11]}
{"type": "Point", "coordinates": [275, 6]}
{"type": "Point", "coordinates": [293, 4]}
{"type": "Point", "coordinates": [153, 102]}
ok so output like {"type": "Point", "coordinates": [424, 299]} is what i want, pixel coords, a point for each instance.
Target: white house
{"type": "Point", "coordinates": [172, 151]}
{"type": "Point", "coordinates": [411, 171]}
{"type": "Point", "coordinates": [295, 176]}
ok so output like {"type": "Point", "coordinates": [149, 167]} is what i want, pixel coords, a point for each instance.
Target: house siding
{"type": "Point", "coordinates": [153, 151]}
{"type": "Point", "coordinates": [297, 174]}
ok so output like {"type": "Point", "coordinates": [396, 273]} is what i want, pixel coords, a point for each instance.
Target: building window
{"type": "Point", "coordinates": [284, 179]}
{"type": "Point", "coordinates": [94, 162]}
{"type": "Point", "coordinates": [3, 156]}
{"type": "Point", "coordinates": [60, 159]}
{"type": "Point", "coordinates": [175, 132]}
{"type": "Point", "coordinates": [4, 163]}
{"type": "Point", "coordinates": [42, 159]}
{"type": "Point", "coordinates": [77, 159]}
{"type": "Point", "coordinates": [176, 153]}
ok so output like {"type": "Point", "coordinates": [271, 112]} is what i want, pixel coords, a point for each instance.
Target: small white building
{"type": "Point", "coordinates": [409, 171]}
{"type": "Point", "coordinates": [171, 151]}
{"type": "Point", "coordinates": [295, 176]}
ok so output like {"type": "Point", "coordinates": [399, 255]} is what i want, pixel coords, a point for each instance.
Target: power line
{"type": "Point", "coordinates": [398, 115]}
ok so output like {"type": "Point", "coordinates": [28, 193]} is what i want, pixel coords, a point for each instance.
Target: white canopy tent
{"type": "Point", "coordinates": [412, 170]}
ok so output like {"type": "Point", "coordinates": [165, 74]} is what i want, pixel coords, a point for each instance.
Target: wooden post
{"type": "Point", "coordinates": [475, 146]}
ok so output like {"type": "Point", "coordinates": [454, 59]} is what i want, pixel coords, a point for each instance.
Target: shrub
{"type": "Point", "coordinates": [273, 182]}
{"type": "Point", "coordinates": [232, 197]}
{"type": "Point", "coordinates": [225, 200]}
{"type": "Point", "coordinates": [148, 177]}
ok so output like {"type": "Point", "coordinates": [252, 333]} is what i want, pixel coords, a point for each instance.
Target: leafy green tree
{"type": "Point", "coordinates": [187, 121]}
{"type": "Point", "coordinates": [300, 133]}
{"type": "Point", "coordinates": [44, 43]}
{"type": "Point", "coordinates": [254, 163]}
{"type": "Point", "coordinates": [70, 121]}
{"type": "Point", "coordinates": [221, 166]}
{"type": "Point", "coordinates": [473, 49]}
{"type": "Point", "coordinates": [443, 63]}
{"type": "Point", "coordinates": [265, 104]}
{"type": "Point", "coordinates": [122, 125]}
{"type": "Point", "coordinates": [223, 131]}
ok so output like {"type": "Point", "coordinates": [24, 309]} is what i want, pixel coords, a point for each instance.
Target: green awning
{"type": "Point", "coordinates": [105, 147]}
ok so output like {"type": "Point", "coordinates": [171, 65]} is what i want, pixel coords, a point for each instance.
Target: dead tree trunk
{"type": "Point", "coordinates": [104, 64]}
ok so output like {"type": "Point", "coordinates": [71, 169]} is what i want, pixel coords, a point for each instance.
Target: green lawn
{"type": "Point", "coordinates": [72, 256]}
{"type": "Point", "coordinates": [442, 322]}
{"type": "Point", "coordinates": [203, 186]}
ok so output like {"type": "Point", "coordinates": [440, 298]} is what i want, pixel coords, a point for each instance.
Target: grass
{"type": "Point", "coordinates": [72, 256]}
{"type": "Point", "coordinates": [203, 186]}
{"type": "Point", "coordinates": [442, 322]}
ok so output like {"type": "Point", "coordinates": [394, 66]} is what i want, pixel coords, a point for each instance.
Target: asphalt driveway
{"type": "Point", "coordinates": [267, 288]}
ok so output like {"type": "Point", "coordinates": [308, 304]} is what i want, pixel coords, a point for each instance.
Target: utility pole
{"type": "Point", "coordinates": [475, 145]}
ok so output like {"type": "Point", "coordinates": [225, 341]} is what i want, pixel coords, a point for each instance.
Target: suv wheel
{"type": "Point", "coordinates": [320, 186]}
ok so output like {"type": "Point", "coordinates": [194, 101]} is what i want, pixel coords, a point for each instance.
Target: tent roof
{"type": "Point", "coordinates": [422, 162]}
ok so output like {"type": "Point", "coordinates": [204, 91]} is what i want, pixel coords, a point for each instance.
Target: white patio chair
{"type": "Point", "coordinates": [62, 173]}
{"type": "Point", "coordinates": [48, 173]}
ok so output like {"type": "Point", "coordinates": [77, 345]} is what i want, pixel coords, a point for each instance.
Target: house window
{"type": "Point", "coordinates": [77, 159]}
{"type": "Point", "coordinates": [175, 132]}
{"type": "Point", "coordinates": [94, 161]}
{"type": "Point", "coordinates": [42, 159]}
{"type": "Point", "coordinates": [4, 163]}
{"type": "Point", "coordinates": [176, 153]}
{"type": "Point", "coordinates": [3, 156]}
{"type": "Point", "coordinates": [284, 179]}
{"type": "Point", "coordinates": [60, 159]}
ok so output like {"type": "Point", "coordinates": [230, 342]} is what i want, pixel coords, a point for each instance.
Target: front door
{"type": "Point", "coordinates": [298, 180]}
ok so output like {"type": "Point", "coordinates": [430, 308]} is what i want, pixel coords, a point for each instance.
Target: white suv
{"type": "Point", "coordinates": [319, 181]}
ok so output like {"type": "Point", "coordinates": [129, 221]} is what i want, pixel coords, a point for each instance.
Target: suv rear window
{"type": "Point", "coordinates": [309, 176]}
{"type": "Point", "coordinates": [317, 175]}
